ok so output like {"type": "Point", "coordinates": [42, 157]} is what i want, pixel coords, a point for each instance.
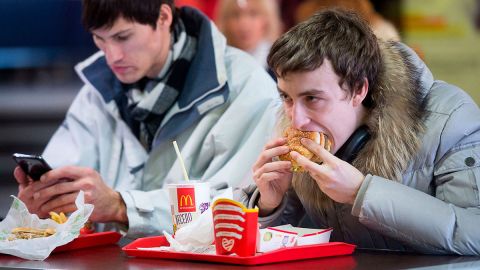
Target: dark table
{"type": "Point", "coordinates": [112, 257]}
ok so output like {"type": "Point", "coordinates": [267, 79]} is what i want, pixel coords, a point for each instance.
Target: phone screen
{"type": "Point", "coordinates": [33, 165]}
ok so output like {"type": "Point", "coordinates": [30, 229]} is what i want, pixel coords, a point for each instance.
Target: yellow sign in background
{"type": "Point", "coordinates": [444, 34]}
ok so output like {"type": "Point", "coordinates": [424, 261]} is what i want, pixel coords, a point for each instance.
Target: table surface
{"type": "Point", "coordinates": [112, 257]}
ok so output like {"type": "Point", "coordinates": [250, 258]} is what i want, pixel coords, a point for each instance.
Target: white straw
{"type": "Point", "coordinates": [181, 160]}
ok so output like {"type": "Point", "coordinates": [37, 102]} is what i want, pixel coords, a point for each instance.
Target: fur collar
{"type": "Point", "coordinates": [395, 123]}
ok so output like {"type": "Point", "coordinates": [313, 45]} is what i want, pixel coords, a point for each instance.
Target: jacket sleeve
{"type": "Point", "coordinates": [148, 213]}
{"type": "Point", "coordinates": [446, 222]}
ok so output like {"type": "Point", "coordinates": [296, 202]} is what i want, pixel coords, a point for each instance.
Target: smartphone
{"type": "Point", "coordinates": [33, 165]}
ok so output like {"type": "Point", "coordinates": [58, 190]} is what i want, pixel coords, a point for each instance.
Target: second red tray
{"type": "Point", "coordinates": [90, 240]}
{"type": "Point", "coordinates": [280, 255]}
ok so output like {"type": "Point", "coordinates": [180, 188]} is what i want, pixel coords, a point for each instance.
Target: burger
{"type": "Point", "coordinates": [293, 142]}
{"type": "Point", "coordinates": [30, 233]}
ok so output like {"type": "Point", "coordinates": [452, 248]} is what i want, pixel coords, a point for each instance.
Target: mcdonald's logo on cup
{"type": "Point", "coordinates": [187, 201]}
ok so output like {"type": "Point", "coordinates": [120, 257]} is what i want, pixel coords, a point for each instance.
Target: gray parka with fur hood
{"type": "Point", "coordinates": [422, 167]}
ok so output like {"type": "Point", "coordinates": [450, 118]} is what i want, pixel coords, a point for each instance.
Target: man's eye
{"type": "Point", "coordinates": [121, 38]}
{"type": "Point", "coordinates": [284, 97]}
{"type": "Point", "coordinates": [311, 98]}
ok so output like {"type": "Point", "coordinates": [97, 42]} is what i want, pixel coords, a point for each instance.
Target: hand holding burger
{"type": "Point", "coordinates": [338, 179]}
{"type": "Point", "coordinates": [293, 142]}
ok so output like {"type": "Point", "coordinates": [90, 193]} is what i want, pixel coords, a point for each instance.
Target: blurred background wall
{"type": "Point", "coordinates": [447, 35]}
{"type": "Point", "coordinates": [41, 40]}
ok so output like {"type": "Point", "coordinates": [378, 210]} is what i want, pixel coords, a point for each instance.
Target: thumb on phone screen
{"type": "Point", "coordinates": [20, 176]}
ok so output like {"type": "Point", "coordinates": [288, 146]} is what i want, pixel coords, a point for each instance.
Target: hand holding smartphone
{"type": "Point", "coordinates": [33, 165]}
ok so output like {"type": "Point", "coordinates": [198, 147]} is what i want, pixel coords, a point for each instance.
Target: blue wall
{"type": "Point", "coordinates": [38, 33]}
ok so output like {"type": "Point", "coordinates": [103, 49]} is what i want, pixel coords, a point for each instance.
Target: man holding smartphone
{"type": "Point", "coordinates": [162, 74]}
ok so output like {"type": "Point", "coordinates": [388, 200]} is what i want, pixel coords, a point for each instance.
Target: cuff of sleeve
{"type": "Point", "coordinates": [254, 199]}
{"type": "Point", "coordinates": [357, 204]}
{"type": "Point", "coordinates": [136, 209]}
{"type": "Point", "coordinates": [140, 201]}
{"type": "Point", "coordinates": [123, 228]}
{"type": "Point", "coordinates": [272, 219]}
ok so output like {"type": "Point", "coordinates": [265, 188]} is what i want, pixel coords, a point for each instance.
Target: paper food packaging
{"type": "Point", "coordinates": [235, 228]}
{"type": "Point", "coordinates": [40, 248]}
{"type": "Point", "coordinates": [273, 238]}
{"type": "Point", "coordinates": [314, 236]}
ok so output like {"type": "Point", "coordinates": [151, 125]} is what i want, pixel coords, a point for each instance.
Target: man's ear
{"type": "Point", "coordinates": [360, 94]}
{"type": "Point", "coordinates": [165, 17]}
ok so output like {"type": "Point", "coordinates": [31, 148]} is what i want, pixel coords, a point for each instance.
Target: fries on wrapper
{"type": "Point", "coordinates": [19, 219]}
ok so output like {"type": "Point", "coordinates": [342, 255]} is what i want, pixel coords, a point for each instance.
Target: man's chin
{"type": "Point", "coordinates": [127, 79]}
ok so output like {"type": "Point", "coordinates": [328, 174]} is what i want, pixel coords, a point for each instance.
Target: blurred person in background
{"type": "Point", "coordinates": [250, 25]}
{"type": "Point", "coordinates": [380, 26]}
{"type": "Point", "coordinates": [404, 168]}
{"type": "Point", "coordinates": [162, 74]}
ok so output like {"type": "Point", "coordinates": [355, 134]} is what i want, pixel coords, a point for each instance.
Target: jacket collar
{"type": "Point", "coordinates": [207, 70]}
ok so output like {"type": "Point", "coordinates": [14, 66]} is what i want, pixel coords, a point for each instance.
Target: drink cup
{"type": "Point", "coordinates": [187, 201]}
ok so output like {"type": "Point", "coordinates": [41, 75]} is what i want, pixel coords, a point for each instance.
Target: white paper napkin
{"type": "Point", "coordinates": [40, 248]}
{"type": "Point", "coordinates": [199, 233]}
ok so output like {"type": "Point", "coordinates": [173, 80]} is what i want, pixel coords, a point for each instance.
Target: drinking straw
{"type": "Point", "coordinates": [181, 160]}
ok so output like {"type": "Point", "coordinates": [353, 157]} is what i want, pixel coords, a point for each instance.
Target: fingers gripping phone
{"type": "Point", "coordinates": [33, 165]}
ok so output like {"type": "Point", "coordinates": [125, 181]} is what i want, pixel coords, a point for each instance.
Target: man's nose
{"type": "Point", "coordinates": [113, 53]}
{"type": "Point", "coordinates": [299, 117]}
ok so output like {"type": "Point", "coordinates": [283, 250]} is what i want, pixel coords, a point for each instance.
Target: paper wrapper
{"type": "Point", "coordinates": [40, 248]}
{"type": "Point", "coordinates": [273, 238]}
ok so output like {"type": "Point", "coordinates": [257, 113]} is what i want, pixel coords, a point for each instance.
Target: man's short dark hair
{"type": "Point", "coordinates": [340, 36]}
{"type": "Point", "coordinates": [103, 13]}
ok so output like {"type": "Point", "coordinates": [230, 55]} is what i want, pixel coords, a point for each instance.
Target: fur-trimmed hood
{"type": "Point", "coordinates": [395, 122]}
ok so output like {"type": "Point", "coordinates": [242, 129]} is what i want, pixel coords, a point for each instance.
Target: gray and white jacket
{"type": "Point", "coordinates": [422, 167]}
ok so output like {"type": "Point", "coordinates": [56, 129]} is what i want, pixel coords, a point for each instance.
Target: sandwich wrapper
{"type": "Point", "coordinates": [40, 248]}
{"type": "Point", "coordinates": [197, 236]}
{"type": "Point", "coordinates": [273, 238]}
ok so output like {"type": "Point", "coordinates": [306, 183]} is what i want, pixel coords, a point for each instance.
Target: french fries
{"type": "Point", "coordinates": [59, 218]}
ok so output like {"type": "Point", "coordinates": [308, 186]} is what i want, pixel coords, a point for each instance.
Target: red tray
{"type": "Point", "coordinates": [280, 255]}
{"type": "Point", "coordinates": [90, 240]}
